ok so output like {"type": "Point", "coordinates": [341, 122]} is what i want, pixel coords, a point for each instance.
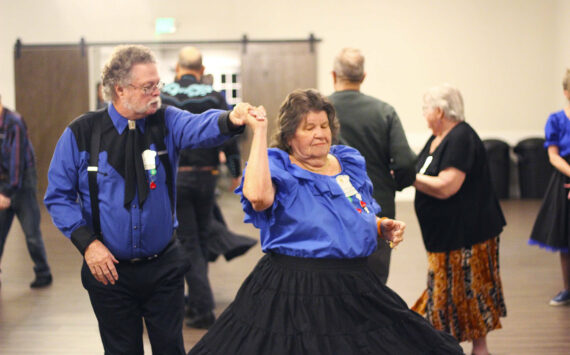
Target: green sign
{"type": "Point", "coordinates": [164, 25]}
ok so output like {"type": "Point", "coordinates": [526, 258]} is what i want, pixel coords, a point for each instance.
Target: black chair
{"type": "Point", "coordinates": [534, 167]}
{"type": "Point", "coordinates": [499, 165]}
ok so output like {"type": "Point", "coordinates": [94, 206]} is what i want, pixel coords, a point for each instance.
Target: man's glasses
{"type": "Point", "coordinates": [149, 89]}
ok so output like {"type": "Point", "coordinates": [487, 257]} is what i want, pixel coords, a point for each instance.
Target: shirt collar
{"type": "Point", "coordinates": [188, 79]}
{"type": "Point", "coordinates": [120, 122]}
{"type": "Point", "coordinates": [323, 183]}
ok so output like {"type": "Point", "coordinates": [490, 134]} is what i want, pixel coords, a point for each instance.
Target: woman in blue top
{"type": "Point", "coordinates": [313, 293]}
{"type": "Point", "coordinates": [552, 227]}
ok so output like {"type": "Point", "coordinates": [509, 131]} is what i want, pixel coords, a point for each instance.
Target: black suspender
{"type": "Point", "coordinates": [154, 133]}
{"type": "Point", "coordinates": [92, 171]}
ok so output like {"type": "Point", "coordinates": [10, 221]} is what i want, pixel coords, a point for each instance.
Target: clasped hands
{"type": "Point", "coordinates": [246, 114]}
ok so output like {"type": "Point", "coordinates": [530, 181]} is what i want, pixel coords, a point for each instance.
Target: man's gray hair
{"type": "Point", "coordinates": [117, 70]}
{"type": "Point", "coordinates": [448, 99]}
{"type": "Point", "coordinates": [349, 65]}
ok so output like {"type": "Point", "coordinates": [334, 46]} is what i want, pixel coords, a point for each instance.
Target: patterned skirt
{"type": "Point", "coordinates": [464, 296]}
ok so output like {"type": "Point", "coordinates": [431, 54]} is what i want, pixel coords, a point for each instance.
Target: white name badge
{"type": "Point", "coordinates": [426, 164]}
{"type": "Point", "coordinates": [344, 182]}
{"type": "Point", "coordinates": [148, 159]}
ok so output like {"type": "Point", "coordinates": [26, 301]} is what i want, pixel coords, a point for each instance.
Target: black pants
{"type": "Point", "coordinates": [194, 207]}
{"type": "Point", "coordinates": [150, 290]}
{"type": "Point", "coordinates": [25, 206]}
{"type": "Point", "coordinates": [379, 261]}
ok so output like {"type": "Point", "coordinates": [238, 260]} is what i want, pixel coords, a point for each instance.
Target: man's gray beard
{"type": "Point", "coordinates": [146, 108]}
{"type": "Point", "coordinates": [158, 100]}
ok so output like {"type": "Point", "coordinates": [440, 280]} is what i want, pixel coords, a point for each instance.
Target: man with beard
{"type": "Point", "coordinates": [111, 191]}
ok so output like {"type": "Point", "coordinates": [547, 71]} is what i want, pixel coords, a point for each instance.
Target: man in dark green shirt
{"type": "Point", "coordinates": [373, 128]}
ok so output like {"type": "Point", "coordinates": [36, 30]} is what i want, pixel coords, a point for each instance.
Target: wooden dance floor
{"type": "Point", "coordinates": [59, 319]}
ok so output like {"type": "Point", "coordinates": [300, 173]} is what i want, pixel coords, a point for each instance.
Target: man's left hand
{"type": "Point", "coordinates": [101, 263]}
{"type": "Point", "coordinates": [243, 112]}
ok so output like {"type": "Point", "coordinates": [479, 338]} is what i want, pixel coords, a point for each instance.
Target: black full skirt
{"type": "Point", "coordinates": [295, 306]}
{"type": "Point", "coordinates": [551, 229]}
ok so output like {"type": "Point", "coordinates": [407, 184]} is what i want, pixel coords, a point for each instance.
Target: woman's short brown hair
{"type": "Point", "coordinates": [293, 111]}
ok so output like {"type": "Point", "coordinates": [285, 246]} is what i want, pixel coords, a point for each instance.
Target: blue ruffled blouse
{"type": "Point", "coordinates": [311, 216]}
{"type": "Point", "coordinates": [557, 132]}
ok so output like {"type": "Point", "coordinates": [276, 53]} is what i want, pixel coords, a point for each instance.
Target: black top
{"type": "Point", "coordinates": [473, 214]}
{"type": "Point", "coordinates": [374, 129]}
{"type": "Point", "coordinates": [189, 94]}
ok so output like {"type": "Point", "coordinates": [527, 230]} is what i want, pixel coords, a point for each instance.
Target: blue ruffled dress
{"type": "Point", "coordinates": [313, 293]}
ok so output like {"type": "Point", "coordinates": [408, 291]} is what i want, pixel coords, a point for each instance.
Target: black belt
{"type": "Point", "coordinates": [149, 258]}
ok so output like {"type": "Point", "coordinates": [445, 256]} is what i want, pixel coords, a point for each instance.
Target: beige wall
{"type": "Point", "coordinates": [506, 56]}
{"type": "Point", "coordinates": [562, 51]}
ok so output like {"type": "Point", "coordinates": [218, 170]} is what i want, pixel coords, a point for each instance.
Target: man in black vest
{"type": "Point", "coordinates": [196, 182]}
{"type": "Point", "coordinates": [110, 191]}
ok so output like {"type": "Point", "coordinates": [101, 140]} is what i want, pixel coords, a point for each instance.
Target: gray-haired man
{"type": "Point", "coordinates": [111, 191]}
{"type": "Point", "coordinates": [374, 128]}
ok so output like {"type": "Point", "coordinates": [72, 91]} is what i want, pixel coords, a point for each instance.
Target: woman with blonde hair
{"type": "Point", "coordinates": [551, 229]}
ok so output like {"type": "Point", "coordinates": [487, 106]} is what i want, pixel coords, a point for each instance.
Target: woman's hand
{"type": "Point", "coordinates": [392, 231]}
{"type": "Point", "coordinates": [257, 117]}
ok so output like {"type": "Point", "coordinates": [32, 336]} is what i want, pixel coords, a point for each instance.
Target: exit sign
{"type": "Point", "coordinates": [164, 25]}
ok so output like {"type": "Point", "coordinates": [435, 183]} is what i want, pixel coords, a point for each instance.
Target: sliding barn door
{"type": "Point", "coordinates": [51, 90]}
{"type": "Point", "coordinates": [270, 71]}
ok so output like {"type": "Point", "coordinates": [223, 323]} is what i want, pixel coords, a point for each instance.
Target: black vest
{"type": "Point", "coordinates": [94, 132]}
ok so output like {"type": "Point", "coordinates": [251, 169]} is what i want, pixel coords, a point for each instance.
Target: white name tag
{"type": "Point", "coordinates": [346, 186]}
{"type": "Point", "coordinates": [426, 164]}
{"type": "Point", "coordinates": [148, 159]}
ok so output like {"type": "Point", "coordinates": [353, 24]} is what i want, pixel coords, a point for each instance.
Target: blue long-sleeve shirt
{"type": "Point", "coordinates": [137, 231]}
{"type": "Point", "coordinates": [16, 152]}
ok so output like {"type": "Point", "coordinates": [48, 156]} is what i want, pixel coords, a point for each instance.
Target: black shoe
{"type": "Point", "coordinates": [201, 321]}
{"type": "Point", "coordinates": [41, 281]}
